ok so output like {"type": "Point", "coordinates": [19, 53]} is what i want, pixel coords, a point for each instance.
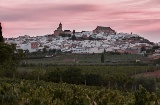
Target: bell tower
{"type": "Point", "coordinates": [59, 30]}
{"type": "Point", "coordinates": [60, 27]}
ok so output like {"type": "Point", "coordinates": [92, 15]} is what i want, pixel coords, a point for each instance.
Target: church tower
{"type": "Point", "coordinates": [1, 37]}
{"type": "Point", "coordinates": [60, 27]}
{"type": "Point", "coordinates": [59, 30]}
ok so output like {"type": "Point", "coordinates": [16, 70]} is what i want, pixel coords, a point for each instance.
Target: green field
{"type": "Point", "coordinates": [100, 70]}
{"type": "Point", "coordinates": [85, 59]}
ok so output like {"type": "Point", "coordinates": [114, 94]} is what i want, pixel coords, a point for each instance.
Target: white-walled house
{"type": "Point", "coordinates": [80, 50]}
{"type": "Point", "coordinates": [32, 46]}
{"type": "Point", "coordinates": [87, 50]}
{"type": "Point", "coordinates": [96, 50]}
{"type": "Point", "coordinates": [107, 42]}
{"type": "Point", "coordinates": [23, 46]}
{"type": "Point", "coordinates": [109, 49]}
{"type": "Point", "coordinates": [10, 42]}
{"type": "Point", "coordinates": [157, 50]}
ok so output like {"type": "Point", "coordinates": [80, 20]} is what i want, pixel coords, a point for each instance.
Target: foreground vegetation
{"type": "Point", "coordinates": [49, 84]}
{"type": "Point", "coordinates": [116, 77]}
{"type": "Point", "coordinates": [24, 92]}
{"type": "Point", "coordinates": [80, 85]}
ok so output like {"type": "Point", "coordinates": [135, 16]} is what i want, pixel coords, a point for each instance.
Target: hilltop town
{"type": "Point", "coordinates": [97, 41]}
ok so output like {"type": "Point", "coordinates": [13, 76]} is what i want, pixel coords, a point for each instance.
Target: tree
{"type": "Point", "coordinates": [44, 50]}
{"type": "Point", "coordinates": [53, 50]}
{"type": "Point", "coordinates": [73, 37]}
{"type": "Point", "coordinates": [143, 97]}
{"type": "Point", "coordinates": [6, 53]}
{"type": "Point", "coordinates": [74, 32]}
{"type": "Point", "coordinates": [91, 38]}
{"type": "Point", "coordinates": [93, 79]}
{"type": "Point", "coordinates": [50, 51]}
{"type": "Point", "coordinates": [63, 35]}
{"type": "Point", "coordinates": [149, 83]}
{"type": "Point", "coordinates": [155, 47]}
{"type": "Point", "coordinates": [156, 61]}
{"type": "Point", "coordinates": [143, 48]}
{"type": "Point", "coordinates": [55, 76]}
{"type": "Point", "coordinates": [38, 72]}
{"type": "Point", "coordinates": [9, 59]}
{"type": "Point", "coordinates": [104, 51]}
{"type": "Point", "coordinates": [102, 57]}
{"type": "Point", "coordinates": [69, 35]}
{"type": "Point", "coordinates": [1, 37]}
{"type": "Point", "coordinates": [72, 75]}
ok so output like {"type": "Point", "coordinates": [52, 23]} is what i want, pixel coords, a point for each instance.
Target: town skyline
{"type": "Point", "coordinates": [36, 18]}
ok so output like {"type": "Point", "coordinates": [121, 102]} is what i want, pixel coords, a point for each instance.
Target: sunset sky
{"type": "Point", "coordinates": [41, 17]}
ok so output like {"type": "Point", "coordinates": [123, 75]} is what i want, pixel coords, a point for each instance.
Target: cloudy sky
{"type": "Point", "coordinates": [40, 17]}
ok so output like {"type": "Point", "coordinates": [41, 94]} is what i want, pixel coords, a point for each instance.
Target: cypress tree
{"type": "Point", "coordinates": [102, 57]}
{"type": "Point", "coordinates": [1, 37]}
{"type": "Point", "coordinates": [73, 36]}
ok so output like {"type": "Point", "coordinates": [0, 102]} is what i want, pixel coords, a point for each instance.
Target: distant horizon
{"type": "Point", "coordinates": [72, 30]}
{"type": "Point", "coordinates": [37, 18]}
